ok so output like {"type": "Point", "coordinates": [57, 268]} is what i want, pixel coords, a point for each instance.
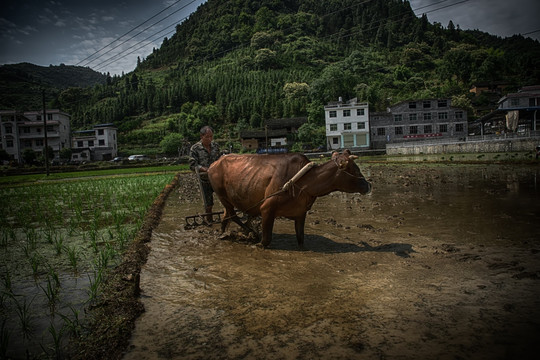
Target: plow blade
{"type": "Point", "coordinates": [203, 219]}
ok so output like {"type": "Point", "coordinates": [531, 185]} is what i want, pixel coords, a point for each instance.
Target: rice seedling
{"type": "Point", "coordinates": [51, 292]}
{"type": "Point", "coordinates": [73, 256]}
{"type": "Point", "coordinates": [95, 284]}
{"type": "Point", "coordinates": [25, 316]}
{"type": "Point", "coordinates": [58, 242]}
{"type": "Point", "coordinates": [55, 348]}
{"type": "Point", "coordinates": [5, 334]}
{"type": "Point", "coordinates": [72, 324]}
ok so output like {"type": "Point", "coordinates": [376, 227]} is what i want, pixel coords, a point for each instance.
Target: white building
{"type": "Point", "coordinates": [25, 130]}
{"type": "Point", "coordinates": [347, 124]}
{"type": "Point", "coordinates": [98, 144]}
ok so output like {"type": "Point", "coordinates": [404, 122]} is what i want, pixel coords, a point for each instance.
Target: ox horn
{"type": "Point", "coordinates": [353, 157]}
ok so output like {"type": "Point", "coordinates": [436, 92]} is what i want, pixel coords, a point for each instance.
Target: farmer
{"type": "Point", "coordinates": [201, 155]}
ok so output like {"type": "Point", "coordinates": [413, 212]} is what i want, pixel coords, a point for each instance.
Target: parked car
{"type": "Point", "coordinates": [118, 159]}
{"type": "Point", "coordinates": [138, 157]}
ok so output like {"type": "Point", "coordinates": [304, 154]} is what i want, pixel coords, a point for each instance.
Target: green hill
{"type": "Point", "coordinates": [21, 84]}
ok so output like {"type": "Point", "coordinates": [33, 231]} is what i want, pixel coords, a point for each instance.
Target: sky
{"type": "Point", "coordinates": [109, 35]}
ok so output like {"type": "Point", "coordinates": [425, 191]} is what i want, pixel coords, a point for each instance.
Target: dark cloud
{"type": "Point", "coordinates": [498, 17]}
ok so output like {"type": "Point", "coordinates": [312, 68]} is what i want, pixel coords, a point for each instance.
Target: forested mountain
{"type": "Point", "coordinates": [235, 63]}
{"type": "Point", "coordinates": [21, 84]}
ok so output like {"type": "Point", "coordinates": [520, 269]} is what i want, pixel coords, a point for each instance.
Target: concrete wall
{"type": "Point", "coordinates": [503, 145]}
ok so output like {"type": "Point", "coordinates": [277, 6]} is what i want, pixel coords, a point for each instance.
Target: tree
{"type": "Point", "coordinates": [65, 154]}
{"type": "Point", "coordinates": [312, 135]}
{"type": "Point", "coordinates": [171, 143]}
{"type": "Point", "coordinates": [29, 156]}
{"type": "Point", "coordinates": [295, 90]}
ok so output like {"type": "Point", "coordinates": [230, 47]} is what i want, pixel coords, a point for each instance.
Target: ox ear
{"type": "Point", "coordinates": [347, 152]}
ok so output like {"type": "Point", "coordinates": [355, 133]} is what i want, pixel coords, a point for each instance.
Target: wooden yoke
{"type": "Point", "coordinates": [298, 175]}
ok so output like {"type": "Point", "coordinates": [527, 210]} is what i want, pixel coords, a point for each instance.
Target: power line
{"type": "Point", "coordinates": [138, 26]}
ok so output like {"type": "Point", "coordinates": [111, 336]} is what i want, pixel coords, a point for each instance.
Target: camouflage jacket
{"type": "Point", "coordinates": [199, 156]}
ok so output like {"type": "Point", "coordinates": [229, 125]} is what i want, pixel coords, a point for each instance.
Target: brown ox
{"type": "Point", "coordinates": [254, 185]}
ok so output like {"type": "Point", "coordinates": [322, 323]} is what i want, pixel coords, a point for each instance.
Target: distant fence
{"type": "Point", "coordinates": [472, 144]}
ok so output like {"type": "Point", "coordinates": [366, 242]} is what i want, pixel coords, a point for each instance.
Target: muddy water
{"type": "Point", "coordinates": [439, 262]}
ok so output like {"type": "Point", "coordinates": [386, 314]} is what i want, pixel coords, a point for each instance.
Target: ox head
{"type": "Point", "coordinates": [349, 178]}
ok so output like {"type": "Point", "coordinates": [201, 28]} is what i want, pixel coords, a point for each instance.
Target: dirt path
{"type": "Point", "coordinates": [440, 262]}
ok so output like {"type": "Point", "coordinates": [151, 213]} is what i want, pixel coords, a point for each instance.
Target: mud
{"type": "Point", "coordinates": [439, 262]}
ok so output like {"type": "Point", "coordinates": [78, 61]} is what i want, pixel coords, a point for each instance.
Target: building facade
{"type": "Point", "coordinates": [26, 130]}
{"type": "Point", "coordinates": [521, 108]}
{"type": "Point", "coordinates": [347, 125]}
{"type": "Point", "coordinates": [418, 119]}
{"type": "Point", "coordinates": [98, 144]}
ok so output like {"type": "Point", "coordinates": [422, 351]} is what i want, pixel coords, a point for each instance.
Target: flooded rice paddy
{"type": "Point", "coordinates": [439, 262]}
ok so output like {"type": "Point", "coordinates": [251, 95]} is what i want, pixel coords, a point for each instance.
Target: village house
{"type": "Point", "coordinates": [275, 135]}
{"type": "Point", "coordinates": [521, 109]}
{"type": "Point", "coordinates": [26, 130]}
{"type": "Point", "coordinates": [347, 125]}
{"type": "Point", "coordinates": [417, 120]}
{"type": "Point", "coordinates": [97, 144]}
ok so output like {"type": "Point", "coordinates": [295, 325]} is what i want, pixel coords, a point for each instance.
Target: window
{"type": "Point", "coordinates": [39, 142]}
{"type": "Point", "coordinates": [101, 132]}
{"type": "Point", "coordinates": [346, 113]}
{"type": "Point", "coordinates": [443, 128]}
{"type": "Point", "coordinates": [26, 130]}
{"type": "Point", "coordinates": [459, 127]}
{"type": "Point", "coordinates": [333, 127]}
{"type": "Point", "coordinates": [347, 126]}
{"type": "Point", "coordinates": [412, 117]}
{"type": "Point", "coordinates": [443, 116]}
{"type": "Point", "coordinates": [28, 143]}
{"type": "Point", "coordinates": [101, 142]}
{"type": "Point", "coordinates": [398, 117]}
{"type": "Point", "coordinates": [361, 126]}
{"type": "Point", "coordinates": [412, 105]}
{"type": "Point", "coordinates": [426, 104]}
{"type": "Point", "coordinates": [332, 113]}
{"type": "Point", "coordinates": [49, 117]}
{"type": "Point", "coordinates": [50, 128]}
{"type": "Point", "coordinates": [381, 131]}
{"type": "Point", "coordinates": [428, 129]}
{"type": "Point", "coordinates": [442, 103]}
{"type": "Point", "coordinates": [360, 112]}
{"type": "Point", "coordinates": [80, 144]}
{"type": "Point", "coordinates": [8, 129]}
{"type": "Point", "coordinates": [427, 116]}
{"type": "Point", "coordinates": [459, 114]}
{"type": "Point", "coordinates": [514, 102]}
{"type": "Point", "coordinates": [38, 118]}
{"type": "Point", "coordinates": [335, 141]}
{"type": "Point", "coordinates": [398, 130]}
{"type": "Point", "coordinates": [413, 129]}
{"type": "Point", "coordinates": [9, 143]}
{"type": "Point", "coordinates": [90, 143]}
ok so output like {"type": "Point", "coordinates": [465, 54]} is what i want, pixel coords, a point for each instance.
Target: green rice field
{"type": "Point", "coordinates": [58, 238]}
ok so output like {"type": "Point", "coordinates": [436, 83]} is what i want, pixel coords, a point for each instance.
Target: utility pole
{"type": "Point", "coordinates": [45, 132]}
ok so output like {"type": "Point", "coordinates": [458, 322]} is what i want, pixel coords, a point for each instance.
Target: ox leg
{"type": "Point", "coordinates": [229, 213]}
{"type": "Point", "coordinates": [267, 227]}
{"type": "Point", "coordinates": [299, 224]}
